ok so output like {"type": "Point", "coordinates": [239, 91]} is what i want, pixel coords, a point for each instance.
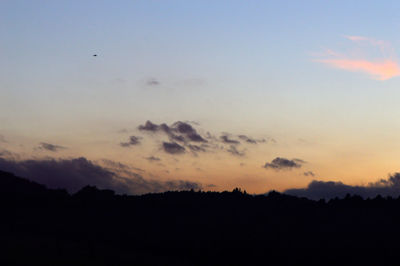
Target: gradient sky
{"type": "Point", "coordinates": [318, 81]}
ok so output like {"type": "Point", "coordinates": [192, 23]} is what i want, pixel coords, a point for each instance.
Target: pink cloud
{"type": "Point", "coordinates": [378, 70]}
{"type": "Point", "coordinates": [382, 44]}
{"type": "Point", "coordinates": [356, 38]}
{"type": "Point", "coordinates": [381, 67]}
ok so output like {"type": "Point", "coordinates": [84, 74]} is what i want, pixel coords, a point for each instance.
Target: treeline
{"type": "Point", "coordinates": [98, 227]}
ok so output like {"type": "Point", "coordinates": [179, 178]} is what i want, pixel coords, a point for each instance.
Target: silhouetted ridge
{"type": "Point", "coordinates": [93, 193]}
{"type": "Point", "coordinates": [97, 227]}
{"type": "Point", "coordinates": [11, 185]}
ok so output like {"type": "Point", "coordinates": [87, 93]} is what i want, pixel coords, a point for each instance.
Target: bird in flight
{"type": "Point", "coordinates": [95, 55]}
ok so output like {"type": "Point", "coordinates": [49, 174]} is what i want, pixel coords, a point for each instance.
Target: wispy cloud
{"type": "Point", "coordinates": [384, 45]}
{"type": "Point", "coordinates": [381, 67]}
{"type": "Point", "coordinates": [133, 140]}
{"type": "Point", "coordinates": [152, 159]}
{"type": "Point", "coordinates": [234, 151]}
{"type": "Point", "coordinates": [226, 139]}
{"type": "Point", "coordinates": [50, 147]}
{"type": "Point", "coordinates": [309, 173]}
{"type": "Point", "coordinates": [382, 70]}
{"type": "Point", "coordinates": [356, 38]}
{"type": "Point", "coordinates": [152, 82]}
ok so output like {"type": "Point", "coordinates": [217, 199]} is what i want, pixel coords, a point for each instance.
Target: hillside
{"type": "Point", "coordinates": [97, 227]}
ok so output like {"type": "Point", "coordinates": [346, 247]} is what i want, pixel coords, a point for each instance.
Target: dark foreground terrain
{"type": "Point", "coordinates": [40, 226]}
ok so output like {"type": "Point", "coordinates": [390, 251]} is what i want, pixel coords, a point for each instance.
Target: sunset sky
{"type": "Point", "coordinates": [259, 95]}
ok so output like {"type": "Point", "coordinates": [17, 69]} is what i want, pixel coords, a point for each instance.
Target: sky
{"type": "Point", "coordinates": [259, 95]}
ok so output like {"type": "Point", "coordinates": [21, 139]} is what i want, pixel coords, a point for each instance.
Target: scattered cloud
{"type": "Point", "coordinates": [381, 67]}
{"type": "Point", "coordinates": [73, 174]}
{"type": "Point", "coordinates": [309, 173]}
{"type": "Point", "coordinates": [173, 148]}
{"type": "Point", "coordinates": [133, 140]}
{"type": "Point", "coordinates": [152, 82]}
{"type": "Point", "coordinates": [183, 136]}
{"type": "Point", "coordinates": [247, 139]}
{"type": "Point", "coordinates": [50, 147]}
{"type": "Point", "coordinates": [117, 165]}
{"type": "Point", "coordinates": [225, 139]}
{"type": "Point", "coordinates": [196, 148]}
{"type": "Point", "coordinates": [149, 126]}
{"type": "Point", "coordinates": [283, 164]}
{"type": "Point", "coordinates": [251, 140]}
{"type": "Point", "coordinates": [152, 159]}
{"type": "Point", "coordinates": [234, 151]}
{"type": "Point", "coordinates": [187, 131]}
{"type": "Point", "coordinates": [330, 189]}
{"type": "Point", "coordinates": [178, 131]}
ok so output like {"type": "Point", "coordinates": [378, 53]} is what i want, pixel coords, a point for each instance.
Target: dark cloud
{"type": "Point", "coordinates": [149, 126]}
{"type": "Point", "coordinates": [173, 148]}
{"type": "Point", "coordinates": [309, 173]}
{"type": "Point", "coordinates": [50, 147]}
{"type": "Point", "coordinates": [133, 140]}
{"type": "Point", "coordinates": [177, 138]}
{"type": "Point", "coordinates": [251, 140]}
{"type": "Point", "coordinates": [188, 131]}
{"type": "Point", "coordinates": [117, 165]}
{"type": "Point", "coordinates": [196, 148]}
{"type": "Point", "coordinates": [247, 139]}
{"type": "Point", "coordinates": [70, 174]}
{"type": "Point", "coordinates": [178, 131]}
{"type": "Point", "coordinates": [330, 189]}
{"type": "Point", "coordinates": [227, 140]}
{"type": "Point", "coordinates": [165, 128]}
{"type": "Point", "coordinates": [73, 174]}
{"type": "Point", "coordinates": [185, 135]}
{"type": "Point", "coordinates": [283, 163]}
{"type": "Point", "coordinates": [152, 82]}
{"type": "Point", "coordinates": [6, 153]}
{"type": "Point", "coordinates": [153, 159]}
{"type": "Point", "coordinates": [234, 151]}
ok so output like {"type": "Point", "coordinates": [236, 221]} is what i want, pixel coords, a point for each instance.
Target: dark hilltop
{"type": "Point", "coordinates": [42, 226]}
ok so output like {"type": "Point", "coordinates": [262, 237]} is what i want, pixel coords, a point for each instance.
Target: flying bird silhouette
{"type": "Point", "coordinates": [95, 55]}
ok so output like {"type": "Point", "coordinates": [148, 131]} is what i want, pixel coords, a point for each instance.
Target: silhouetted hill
{"type": "Point", "coordinates": [97, 227]}
{"type": "Point", "coordinates": [12, 185]}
